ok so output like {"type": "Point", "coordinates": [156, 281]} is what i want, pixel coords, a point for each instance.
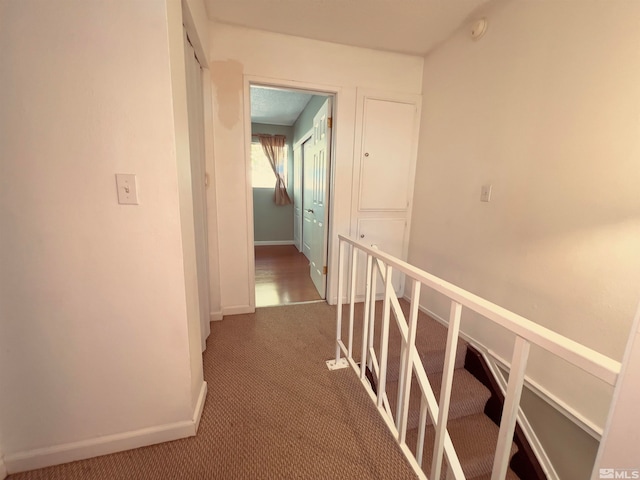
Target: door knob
{"type": "Point", "coordinates": [362, 235]}
{"type": "Point", "coordinates": [366, 154]}
{"type": "Point", "coordinates": [309, 210]}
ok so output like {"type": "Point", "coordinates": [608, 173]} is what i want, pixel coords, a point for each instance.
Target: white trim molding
{"type": "Point", "coordinates": [69, 452]}
{"type": "Point", "coordinates": [215, 316]}
{"type": "Point", "coordinates": [237, 310]}
{"type": "Point", "coordinates": [258, 243]}
{"type": "Point", "coordinates": [197, 412]}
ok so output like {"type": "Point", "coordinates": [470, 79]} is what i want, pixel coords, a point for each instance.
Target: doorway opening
{"type": "Point", "coordinates": [290, 170]}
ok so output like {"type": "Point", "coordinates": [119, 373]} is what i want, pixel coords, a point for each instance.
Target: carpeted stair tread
{"type": "Point", "coordinates": [510, 476]}
{"type": "Point", "coordinates": [474, 437]}
{"type": "Point", "coordinates": [431, 355]}
{"type": "Point", "coordinates": [468, 396]}
{"type": "Point", "coordinates": [431, 339]}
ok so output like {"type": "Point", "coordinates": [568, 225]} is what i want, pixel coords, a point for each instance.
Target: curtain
{"type": "Point", "coordinates": [274, 148]}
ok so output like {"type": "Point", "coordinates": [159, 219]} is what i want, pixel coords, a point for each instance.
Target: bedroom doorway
{"type": "Point", "coordinates": [290, 172]}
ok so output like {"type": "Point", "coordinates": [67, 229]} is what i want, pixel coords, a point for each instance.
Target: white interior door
{"type": "Point", "coordinates": [195, 111]}
{"type": "Point", "coordinates": [307, 197]}
{"type": "Point", "coordinates": [297, 197]}
{"type": "Point", "coordinates": [319, 212]}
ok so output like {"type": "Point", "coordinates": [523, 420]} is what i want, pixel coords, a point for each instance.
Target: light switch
{"type": "Point", "coordinates": [485, 193]}
{"type": "Point", "coordinates": [127, 190]}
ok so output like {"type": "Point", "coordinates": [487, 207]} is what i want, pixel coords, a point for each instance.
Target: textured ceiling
{"type": "Point", "coordinates": [406, 26]}
{"type": "Point", "coordinates": [277, 107]}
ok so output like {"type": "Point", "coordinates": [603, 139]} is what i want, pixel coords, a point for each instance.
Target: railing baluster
{"type": "Point", "coordinates": [510, 408]}
{"type": "Point", "coordinates": [422, 426]}
{"type": "Point", "coordinates": [399, 397]}
{"type": "Point", "coordinates": [526, 332]}
{"type": "Point", "coordinates": [405, 350]}
{"type": "Point", "coordinates": [384, 337]}
{"type": "Point", "coordinates": [404, 391]}
{"type": "Point", "coordinates": [352, 296]}
{"type": "Point", "coordinates": [372, 312]}
{"type": "Point", "coordinates": [445, 389]}
{"type": "Point", "coordinates": [339, 302]}
{"type": "Point", "coordinates": [365, 317]}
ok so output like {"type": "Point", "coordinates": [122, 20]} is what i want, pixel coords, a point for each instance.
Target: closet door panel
{"type": "Point", "coordinates": [387, 154]}
{"type": "Point", "coordinates": [388, 235]}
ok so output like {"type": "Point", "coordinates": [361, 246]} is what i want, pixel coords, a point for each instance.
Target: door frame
{"type": "Point", "coordinates": [317, 89]}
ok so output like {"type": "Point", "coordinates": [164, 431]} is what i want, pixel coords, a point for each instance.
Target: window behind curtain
{"type": "Point", "coordinates": [262, 175]}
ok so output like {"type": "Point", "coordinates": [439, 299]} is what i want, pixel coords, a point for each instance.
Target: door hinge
{"type": "Point", "coordinates": [324, 270]}
{"type": "Point", "coordinates": [330, 122]}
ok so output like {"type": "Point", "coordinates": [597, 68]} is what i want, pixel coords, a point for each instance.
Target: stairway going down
{"type": "Point", "coordinates": [473, 417]}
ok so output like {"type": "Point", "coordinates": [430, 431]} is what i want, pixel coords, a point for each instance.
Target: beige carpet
{"type": "Point", "coordinates": [273, 411]}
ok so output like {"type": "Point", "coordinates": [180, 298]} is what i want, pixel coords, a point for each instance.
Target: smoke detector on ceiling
{"type": "Point", "coordinates": [479, 28]}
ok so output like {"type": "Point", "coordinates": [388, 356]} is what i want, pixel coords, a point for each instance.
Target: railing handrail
{"type": "Point", "coordinates": [589, 360]}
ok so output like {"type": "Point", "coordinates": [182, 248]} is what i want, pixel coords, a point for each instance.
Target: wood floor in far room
{"type": "Point", "coordinates": [282, 276]}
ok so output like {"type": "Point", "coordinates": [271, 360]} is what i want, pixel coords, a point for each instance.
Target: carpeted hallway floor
{"type": "Point", "coordinates": [273, 411]}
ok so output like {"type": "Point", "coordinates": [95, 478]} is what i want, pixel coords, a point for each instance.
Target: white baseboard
{"type": "Point", "coordinates": [3, 470]}
{"type": "Point", "coordinates": [69, 452]}
{"type": "Point", "coordinates": [197, 412]}
{"type": "Point", "coordinates": [258, 243]}
{"type": "Point", "coordinates": [238, 310]}
{"type": "Point", "coordinates": [215, 316]}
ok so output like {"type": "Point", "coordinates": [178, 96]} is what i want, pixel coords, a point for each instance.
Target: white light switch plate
{"type": "Point", "coordinates": [485, 193]}
{"type": "Point", "coordinates": [127, 189]}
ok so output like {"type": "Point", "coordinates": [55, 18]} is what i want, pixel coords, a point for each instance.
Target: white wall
{"type": "Point", "coordinates": [546, 108]}
{"type": "Point", "coordinates": [239, 52]}
{"type": "Point", "coordinates": [94, 338]}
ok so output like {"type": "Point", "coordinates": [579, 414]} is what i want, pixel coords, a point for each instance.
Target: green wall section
{"type": "Point", "coordinates": [571, 450]}
{"type": "Point", "coordinates": [270, 221]}
{"type": "Point", "coordinates": [304, 123]}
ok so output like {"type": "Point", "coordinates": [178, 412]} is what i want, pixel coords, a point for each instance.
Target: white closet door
{"type": "Point", "coordinates": [195, 108]}
{"type": "Point", "coordinates": [387, 154]}
{"type": "Point", "coordinates": [388, 235]}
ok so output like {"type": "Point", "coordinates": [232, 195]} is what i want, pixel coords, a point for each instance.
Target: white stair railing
{"type": "Point", "coordinates": [526, 332]}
